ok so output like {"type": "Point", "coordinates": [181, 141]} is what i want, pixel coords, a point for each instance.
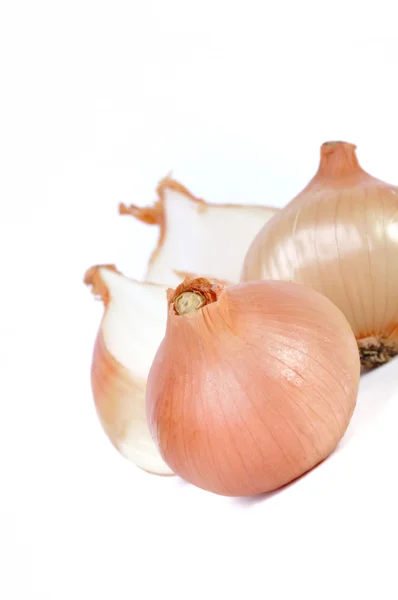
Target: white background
{"type": "Point", "coordinates": [98, 101]}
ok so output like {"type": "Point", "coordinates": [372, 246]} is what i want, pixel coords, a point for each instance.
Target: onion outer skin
{"type": "Point", "coordinates": [254, 389]}
{"type": "Point", "coordinates": [339, 236]}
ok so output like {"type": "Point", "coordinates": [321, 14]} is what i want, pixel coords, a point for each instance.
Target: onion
{"type": "Point", "coordinates": [131, 329]}
{"type": "Point", "coordinates": [196, 236]}
{"type": "Point", "coordinates": [339, 236]}
{"type": "Point", "coordinates": [253, 384]}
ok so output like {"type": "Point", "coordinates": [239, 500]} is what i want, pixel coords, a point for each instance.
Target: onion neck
{"type": "Point", "coordinates": [338, 159]}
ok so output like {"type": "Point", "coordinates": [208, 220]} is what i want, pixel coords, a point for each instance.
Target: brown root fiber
{"type": "Point", "coordinates": [374, 352]}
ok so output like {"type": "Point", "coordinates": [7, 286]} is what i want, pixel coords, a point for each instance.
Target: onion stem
{"type": "Point", "coordinates": [188, 302]}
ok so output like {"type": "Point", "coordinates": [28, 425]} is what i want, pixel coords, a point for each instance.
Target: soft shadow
{"type": "Point", "coordinates": [179, 481]}
{"type": "Point", "coordinates": [247, 501]}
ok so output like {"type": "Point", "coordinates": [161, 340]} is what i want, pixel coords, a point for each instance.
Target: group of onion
{"type": "Point", "coordinates": [255, 382]}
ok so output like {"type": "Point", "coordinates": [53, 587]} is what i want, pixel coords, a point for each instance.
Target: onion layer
{"type": "Point", "coordinates": [339, 236]}
{"type": "Point", "coordinates": [198, 237]}
{"type": "Point", "coordinates": [253, 387]}
{"type": "Point", "coordinates": [132, 327]}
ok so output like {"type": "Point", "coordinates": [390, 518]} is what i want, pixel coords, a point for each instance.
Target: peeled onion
{"type": "Point", "coordinates": [253, 384]}
{"type": "Point", "coordinates": [339, 236]}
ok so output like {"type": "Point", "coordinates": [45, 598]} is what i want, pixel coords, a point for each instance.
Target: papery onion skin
{"type": "Point", "coordinates": [253, 389]}
{"type": "Point", "coordinates": [119, 393]}
{"type": "Point", "coordinates": [339, 236]}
